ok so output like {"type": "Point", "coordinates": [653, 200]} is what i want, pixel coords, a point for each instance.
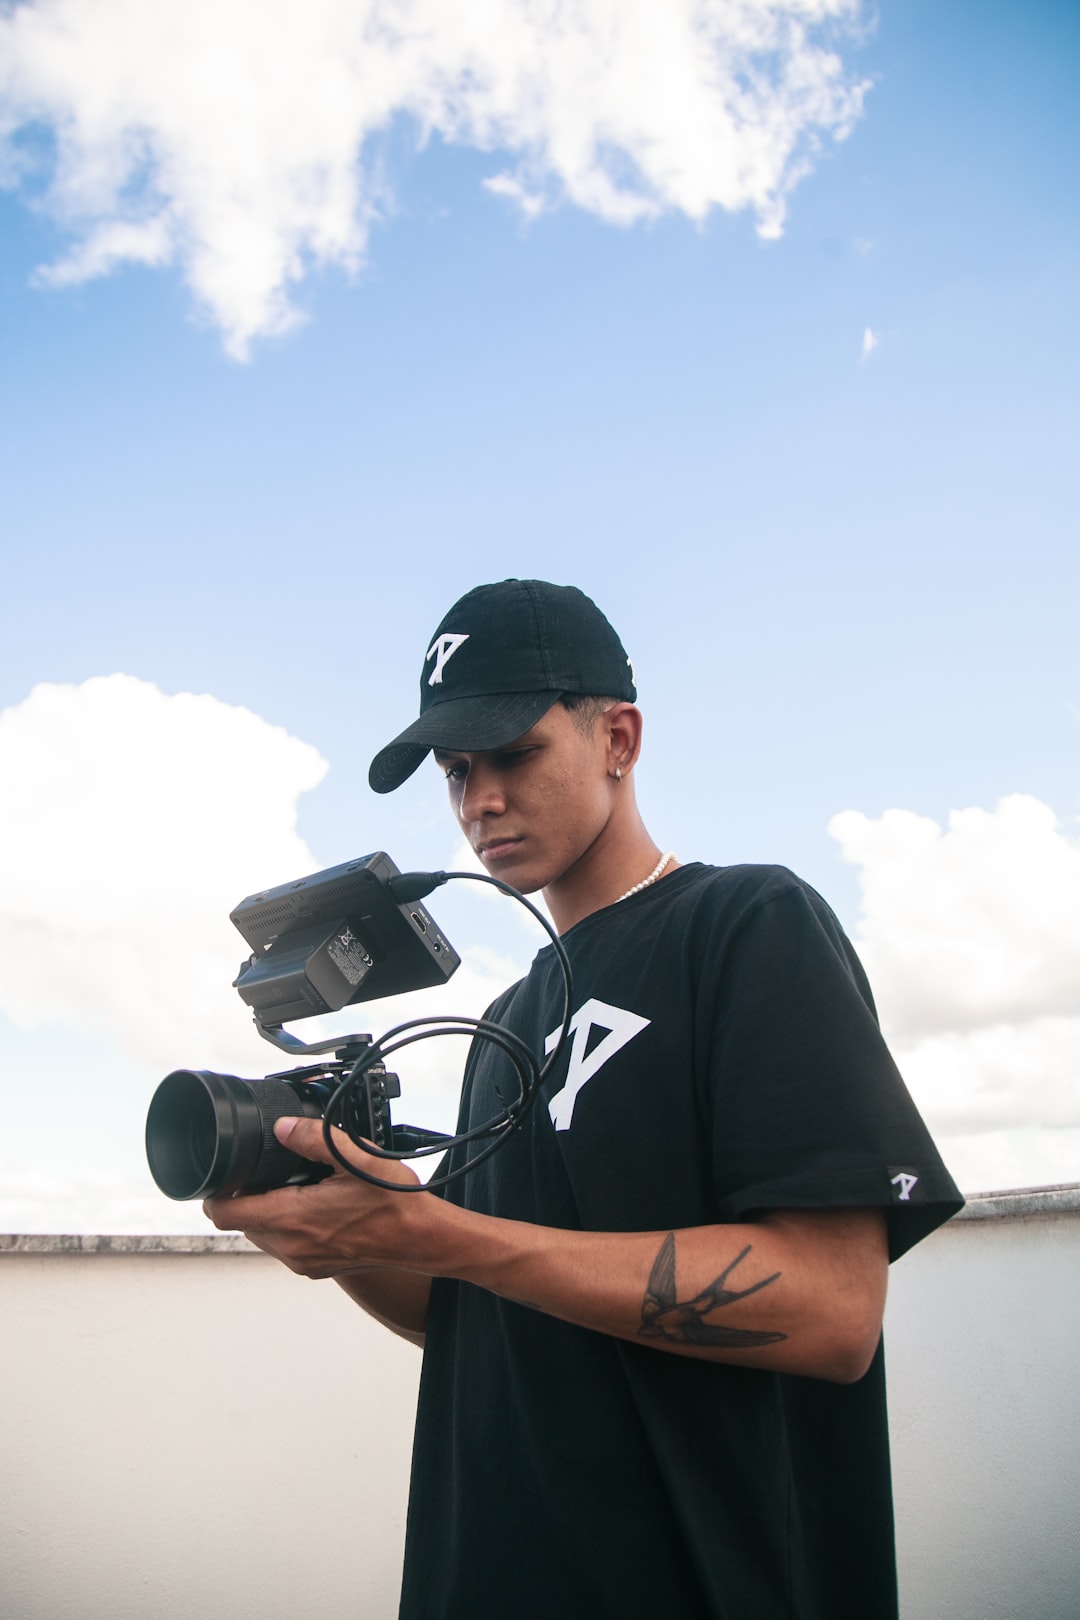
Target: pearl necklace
{"type": "Point", "coordinates": [652, 877]}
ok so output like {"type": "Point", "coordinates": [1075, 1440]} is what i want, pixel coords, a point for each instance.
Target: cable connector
{"type": "Point", "coordinates": [409, 886]}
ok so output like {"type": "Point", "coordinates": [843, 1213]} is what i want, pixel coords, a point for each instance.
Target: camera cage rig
{"type": "Point", "coordinates": [327, 960]}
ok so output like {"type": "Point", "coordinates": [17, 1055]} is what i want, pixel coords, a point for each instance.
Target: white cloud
{"type": "Point", "coordinates": [870, 341]}
{"type": "Point", "coordinates": [971, 937]}
{"type": "Point", "coordinates": [131, 823]}
{"type": "Point", "coordinates": [77, 1199]}
{"type": "Point", "coordinates": [240, 140]}
{"type": "Point", "coordinates": [973, 926]}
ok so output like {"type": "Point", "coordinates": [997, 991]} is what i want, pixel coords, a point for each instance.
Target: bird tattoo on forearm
{"type": "Point", "coordinates": [664, 1316]}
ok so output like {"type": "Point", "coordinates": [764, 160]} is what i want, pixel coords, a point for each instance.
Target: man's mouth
{"type": "Point", "coordinates": [497, 849]}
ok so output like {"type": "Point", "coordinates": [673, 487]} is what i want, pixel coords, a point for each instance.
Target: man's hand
{"type": "Point", "coordinates": [328, 1227]}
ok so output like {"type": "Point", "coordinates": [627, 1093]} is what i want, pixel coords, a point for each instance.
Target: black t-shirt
{"type": "Point", "coordinates": [725, 1060]}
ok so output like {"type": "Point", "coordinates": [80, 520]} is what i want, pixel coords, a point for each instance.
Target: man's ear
{"type": "Point", "coordinates": [622, 728]}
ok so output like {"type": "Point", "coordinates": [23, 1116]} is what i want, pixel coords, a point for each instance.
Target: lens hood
{"type": "Point", "coordinates": [209, 1135]}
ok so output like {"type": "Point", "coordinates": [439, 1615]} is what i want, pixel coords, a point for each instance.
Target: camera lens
{"type": "Point", "coordinates": [213, 1134]}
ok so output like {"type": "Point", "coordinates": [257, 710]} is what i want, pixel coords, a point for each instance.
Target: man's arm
{"type": "Point", "coordinates": [397, 1299]}
{"type": "Point", "coordinates": [798, 1291]}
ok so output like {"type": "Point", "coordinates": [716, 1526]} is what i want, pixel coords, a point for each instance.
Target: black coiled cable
{"type": "Point", "coordinates": [409, 886]}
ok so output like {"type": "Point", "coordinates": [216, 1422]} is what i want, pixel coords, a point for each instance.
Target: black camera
{"type": "Point", "coordinates": [318, 944]}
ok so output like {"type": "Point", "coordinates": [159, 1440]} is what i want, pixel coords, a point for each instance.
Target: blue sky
{"type": "Point", "coordinates": [823, 484]}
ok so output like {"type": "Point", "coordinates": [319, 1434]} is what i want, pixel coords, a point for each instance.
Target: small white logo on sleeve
{"type": "Point", "coordinates": [904, 1183]}
{"type": "Point", "coordinates": [442, 650]}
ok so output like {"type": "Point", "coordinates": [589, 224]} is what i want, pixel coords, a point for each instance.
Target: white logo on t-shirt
{"type": "Point", "coordinates": [442, 650]}
{"type": "Point", "coordinates": [904, 1184]}
{"type": "Point", "coordinates": [621, 1027]}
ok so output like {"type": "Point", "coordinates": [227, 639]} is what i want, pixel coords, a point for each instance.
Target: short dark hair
{"type": "Point", "coordinates": [586, 710]}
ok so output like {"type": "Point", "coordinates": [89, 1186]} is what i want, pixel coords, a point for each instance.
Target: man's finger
{"type": "Point", "coordinates": [248, 1212]}
{"type": "Point", "coordinates": [304, 1137]}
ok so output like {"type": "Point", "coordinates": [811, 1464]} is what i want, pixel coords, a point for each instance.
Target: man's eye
{"type": "Point", "coordinates": [513, 756]}
{"type": "Point", "coordinates": [455, 773]}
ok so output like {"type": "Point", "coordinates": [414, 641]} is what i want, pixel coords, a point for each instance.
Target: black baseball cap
{"type": "Point", "coordinates": [498, 661]}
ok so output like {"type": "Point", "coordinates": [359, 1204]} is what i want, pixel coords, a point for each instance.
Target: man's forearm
{"type": "Point", "coordinates": [798, 1291]}
{"type": "Point", "coordinates": [397, 1299]}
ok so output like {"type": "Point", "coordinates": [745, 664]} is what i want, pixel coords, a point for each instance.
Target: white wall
{"type": "Point", "coordinates": [982, 1337]}
{"type": "Point", "coordinates": [188, 1434]}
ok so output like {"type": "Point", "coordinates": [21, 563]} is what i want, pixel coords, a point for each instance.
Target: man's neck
{"type": "Point", "coordinates": [602, 877]}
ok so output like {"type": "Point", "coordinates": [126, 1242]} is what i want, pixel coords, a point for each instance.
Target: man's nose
{"type": "Point", "coordinates": [483, 794]}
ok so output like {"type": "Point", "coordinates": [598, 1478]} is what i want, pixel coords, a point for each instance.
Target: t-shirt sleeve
{"type": "Point", "coordinates": [808, 1107]}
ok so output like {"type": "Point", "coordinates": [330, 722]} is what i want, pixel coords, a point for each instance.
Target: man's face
{"type": "Point", "coordinates": [533, 809]}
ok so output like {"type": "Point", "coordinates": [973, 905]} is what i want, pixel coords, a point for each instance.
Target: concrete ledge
{"type": "Point", "coordinates": [1022, 1201]}
{"type": "Point", "coordinates": [99, 1243]}
{"type": "Point", "coordinates": [1015, 1203]}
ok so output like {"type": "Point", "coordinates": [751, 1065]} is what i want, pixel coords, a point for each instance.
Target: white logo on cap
{"type": "Point", "coordinates": [442, 650]}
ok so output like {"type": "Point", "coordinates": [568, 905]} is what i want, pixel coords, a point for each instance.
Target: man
{"type": "Point", "coordinates": [653, 1380]}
